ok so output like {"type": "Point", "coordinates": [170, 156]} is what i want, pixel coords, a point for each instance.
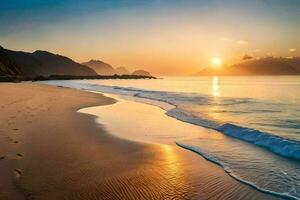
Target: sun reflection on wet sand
{"type": "Point", "coordinates": [171, 159]}
{"type": "Point", "coordinates": [173, 170]}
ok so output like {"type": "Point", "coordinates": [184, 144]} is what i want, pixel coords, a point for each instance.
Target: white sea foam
{"type": "Point", "coordinates": [215, 160]}
{"type": "Point", "coordinates": [278, 145]}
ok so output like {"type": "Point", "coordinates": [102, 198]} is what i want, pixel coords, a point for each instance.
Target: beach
{"type": "Point", "coordinates": [51, 151]}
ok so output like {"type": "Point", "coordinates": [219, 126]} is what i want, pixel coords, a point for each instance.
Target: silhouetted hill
{"type": "Point", "coordinates": [100, 67]}
{"type": "Point", "coordinates": [43, 63]}
{"type": "Point", "coordinates": [7, 66]}
{"type": "Point", "coordinates": [122, 71]}
{"type": "Point", "coordinates": [18, 65]}
{"type": "Point", "coordinates": [106, 69]}
{"type": "Point", "coordinates": [263, 66]}
{"type": "Point", "coordinates": [8, 69]}
{"type": "Point", "coordinates": [60, 65]}
{"type": "Point", "coordinates": [141, 73]}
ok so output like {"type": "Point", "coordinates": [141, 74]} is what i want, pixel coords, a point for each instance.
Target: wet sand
{"type": "Point", "coordinates": [50, 151]}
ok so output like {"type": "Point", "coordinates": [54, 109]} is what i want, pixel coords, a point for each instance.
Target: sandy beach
{"type": "Point", "coordinates": [50, 151]}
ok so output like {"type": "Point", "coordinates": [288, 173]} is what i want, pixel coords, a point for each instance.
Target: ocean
{"type": "Point", "coordinates": [258, 118]}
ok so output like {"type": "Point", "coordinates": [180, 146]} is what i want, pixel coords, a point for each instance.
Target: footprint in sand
{"type": "Point", "coordinates": [2, 157]}
{"type": "Point", "coordinates": [20, 155]}
{"type": "Point", "coordinates": [18, 173]}
{"type": "Point", "coordinates": [16, 142]}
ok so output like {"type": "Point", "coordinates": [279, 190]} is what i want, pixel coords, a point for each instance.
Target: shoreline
{"type": "Point", "coordinates": [96, 111]}
{"type": "Point", "coordinates": [66, 155]}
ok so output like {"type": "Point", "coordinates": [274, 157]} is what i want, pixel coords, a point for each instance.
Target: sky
{"type": "Point", "coordinates": [166, 37]}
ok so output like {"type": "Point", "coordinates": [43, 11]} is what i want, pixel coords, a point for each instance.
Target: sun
{"type": "Point", "coordinates": [216, 61]}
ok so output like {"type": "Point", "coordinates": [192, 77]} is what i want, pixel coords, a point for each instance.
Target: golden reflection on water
{"type": "Point", "coordinates": [215, 92]}
{"type": "Point", "coordinates": [215, 86]}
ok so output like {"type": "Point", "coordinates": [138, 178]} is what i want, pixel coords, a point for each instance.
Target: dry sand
{"type": "Point", "coordinates": [49, 151]}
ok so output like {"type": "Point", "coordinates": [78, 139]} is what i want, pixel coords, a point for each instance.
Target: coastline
{"type": "Point", "coordinates": [157, 127]}
{"type": "Point", "coordinates": [52, 152]}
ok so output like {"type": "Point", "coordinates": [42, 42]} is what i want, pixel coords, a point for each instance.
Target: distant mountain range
{"type": "Point", "coordinates": [39, 63]}
{"type": "Point", "coordinates": [100, 67]}
{"type": "Point", "coordinates": [263, 66]}
{"type": "Point", "coordinates": [103, 68]}
{"type": "Point", "coordinates": [122, 71]}
{"type": "Point", "coordinates": [19, 65]}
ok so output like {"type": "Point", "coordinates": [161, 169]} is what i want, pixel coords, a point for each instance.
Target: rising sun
{"type": "Point", "coordinates": [216, 61]}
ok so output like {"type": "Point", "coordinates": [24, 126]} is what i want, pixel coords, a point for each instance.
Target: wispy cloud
{"type": "Point", "coordinates": [292, 50]}
{"type": "Point", "coordinates": [247, 57]}
{"type": "Point", "coordinates": [242, 42]}
{"type": "Point", "coordinates": [225, 39]}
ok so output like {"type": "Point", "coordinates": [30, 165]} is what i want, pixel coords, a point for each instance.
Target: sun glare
{"type": "Point", "coordinates": [216, 61]}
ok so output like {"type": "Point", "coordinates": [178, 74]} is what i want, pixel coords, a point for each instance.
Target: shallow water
{"type": "Point", "coordinates": [260, 114]}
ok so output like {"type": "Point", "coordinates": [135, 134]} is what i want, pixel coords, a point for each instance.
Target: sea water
{"type": "Point", "coordinates": [259, 118]}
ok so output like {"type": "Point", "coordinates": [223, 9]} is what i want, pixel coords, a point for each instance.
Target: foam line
{"type": "Point", "coordinates": [213, 159]}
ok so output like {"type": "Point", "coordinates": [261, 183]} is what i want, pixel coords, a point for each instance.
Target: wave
{"type": "Point", "coordinates": [215, 160]}
{"type": "Point", "coordinates": [276, 144]}
{"type": "Point", "coordinates": [188, 117]}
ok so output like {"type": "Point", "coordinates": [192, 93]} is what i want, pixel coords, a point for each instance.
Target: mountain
{"type": "Point", "coordinates": [141, 73]}
{"type": "Point", "coordinates": [103, 68]}
{"type": "Point", "coordinates": [40, 63]}
{"type": "Point", "coordinates": [263, 66]}
{"type": "Point", "coordinates": [60, 65]}
{"type": "Point", "coordinates": [8, 69]}
{"type": "Point", "coordinates": [7, 65]}
{"type": "Point", "coordinates": [122, 71]}
{"type": "Point", "coordinates": [100, 67]}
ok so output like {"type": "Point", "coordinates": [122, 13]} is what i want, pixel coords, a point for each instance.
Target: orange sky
{"type": "Point", "coordinates": [166, 39]}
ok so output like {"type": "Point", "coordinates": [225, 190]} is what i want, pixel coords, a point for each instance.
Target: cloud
{"type": "Point", "coordinates": [292, 50]}
{"type": "Point", "coordinates": [247, 57]}
{"type": "Point", "coordinates": [225, 39]}
{"type": "Point", "coordinates": [242, 42]}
